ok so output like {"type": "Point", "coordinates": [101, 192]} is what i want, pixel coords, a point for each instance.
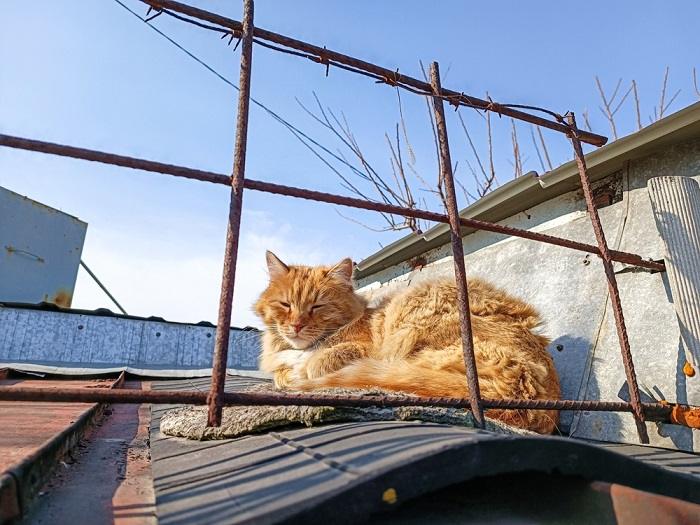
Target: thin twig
{"type": "Point", "coordinates": [608, 103]}
{"type": "Point", "coordinates": [544, 149]}
{"type": "Point", "coordinates": [636, 104]}
{"type": "Point", "coordinates": [585, 119]}
{"type": "Point", "coordinates": [537, 148]}
{"type": "Point", "coordinates": [663, 105]}
{"type": "Point", "coordinates": [517, 160]}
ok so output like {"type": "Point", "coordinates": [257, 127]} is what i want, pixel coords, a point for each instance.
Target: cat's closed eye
{"type": "Point", "coordinates": [317, 306]}
{"type": "Point", "coordinates": [283, 304]}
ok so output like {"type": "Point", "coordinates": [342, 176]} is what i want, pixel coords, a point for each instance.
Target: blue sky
{"type": "Point", "coordinates": [88, 73]}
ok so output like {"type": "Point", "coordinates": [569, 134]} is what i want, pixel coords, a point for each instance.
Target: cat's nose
{"type": "Point", "coordinates": [298, 327]}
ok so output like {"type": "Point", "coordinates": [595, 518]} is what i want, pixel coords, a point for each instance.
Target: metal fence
{"type": "Point", "coordinates": [217, 398]}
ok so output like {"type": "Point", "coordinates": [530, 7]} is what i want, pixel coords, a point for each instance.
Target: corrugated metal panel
{"type": "Point", "coordinates": [676, 204]}
{"type": "Point", "coordinates": [72, 342]}
{"type": "Point", "coordinates": [40, 250]}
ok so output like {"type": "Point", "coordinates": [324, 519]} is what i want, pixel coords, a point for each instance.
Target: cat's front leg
{"type": "Point", "coordinates": [326, 360]}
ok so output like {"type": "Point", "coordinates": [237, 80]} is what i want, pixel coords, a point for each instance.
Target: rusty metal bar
{"type": "Point", "coordinates": [327, 56]}
{"type": "Point", "coordinates": [606, 257]}
{"type": "Point", "coordinates": [223, 324]}
{"type": "Point", "coordinates": [656, 411]}
{"type": "Point", "coordinates": [448, 182]}
{"type": "Point", "coordinates": [268, 187]}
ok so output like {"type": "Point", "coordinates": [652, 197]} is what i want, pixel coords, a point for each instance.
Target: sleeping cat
{"type": "Point", "coordinates": [321, 334]}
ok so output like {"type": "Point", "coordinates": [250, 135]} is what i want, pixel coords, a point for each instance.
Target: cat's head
{"type": "Point", "coordinates": [304, 304]}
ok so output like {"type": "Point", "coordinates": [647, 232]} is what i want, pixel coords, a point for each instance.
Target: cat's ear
{"type": "Point", "coordinates": [342, 270]}
{"type": "Point", "coordinates": [275, 267]}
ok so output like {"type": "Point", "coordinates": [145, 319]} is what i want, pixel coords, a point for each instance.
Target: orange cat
{"type": "Point", "coordinates": [320, 333]}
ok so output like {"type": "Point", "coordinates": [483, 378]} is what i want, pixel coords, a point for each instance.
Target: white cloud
{"type": "Point", "coordinates": [162, 277]}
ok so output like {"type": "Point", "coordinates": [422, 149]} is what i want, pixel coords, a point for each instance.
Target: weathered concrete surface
{"type": "Point", "coordinates": [107, 479]}
{"type": "Point", "coordinates": [34, 437]}
{"type": "Point", "coordinates": [191, 421]}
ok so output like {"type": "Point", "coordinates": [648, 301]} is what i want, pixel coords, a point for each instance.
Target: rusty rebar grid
{"type": "Point", "coordinates": [662, 412]}
{"type": "Point", "coordinates": [632, 384]}
{"type": "Point", "coordinates": [391, 77]}
{"type": "Point", "coordinates": [448, 182]}
{"type": "Point", "coordinates": [223, 324]}
{"type": "Point", "coordinates": [318, 196]}
{"type": "Point", "coordinates": [217, 396]}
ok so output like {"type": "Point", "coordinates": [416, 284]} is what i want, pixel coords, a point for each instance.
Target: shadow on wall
{"type": "Point", "coordinates": [681, 437]}
{"type": "Point", "coordinates": [575, 375]}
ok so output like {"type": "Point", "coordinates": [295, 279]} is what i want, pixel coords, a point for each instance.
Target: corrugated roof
{"type": "Point", "coordinates": [530, 189]}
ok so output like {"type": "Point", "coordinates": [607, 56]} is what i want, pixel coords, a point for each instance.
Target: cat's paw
{"type": "Point", "coordinates": [287, 378]}
{"type": "Point", "coordinates": [318, 365]}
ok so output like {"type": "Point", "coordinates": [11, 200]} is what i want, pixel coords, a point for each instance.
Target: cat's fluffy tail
{"type": "Point", "coordinates": [413, 378]}
{"type": "Point", "coordinates": [398, 376]}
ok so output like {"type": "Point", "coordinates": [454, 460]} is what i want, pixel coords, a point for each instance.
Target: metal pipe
{"type": "Point", "coordinates": [269, 187]}
{"type": "Point", "coordinates": [102, 286]}
{"type": "Point", "coordinates": [632, 384]}
{"type": "Point", "coordinates": [448, 182]}
{"type": "Point", "coordinates": [656, 411]}
{"type": "Point", "coordinates": [326, 56]}
{"type": "Point", "coordinates": [223, 324]}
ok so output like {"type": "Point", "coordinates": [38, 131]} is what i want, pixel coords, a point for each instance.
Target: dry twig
{"type": "Point", "coordinates": [517, 160]}
{"type": "Point", "coordinates": [609, 106]}
{"type": "Point", "coordinates": [663, 105]}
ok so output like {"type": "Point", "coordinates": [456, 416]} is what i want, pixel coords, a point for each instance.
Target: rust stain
{"type": "Point", "coordinates": [417, 263]}
{"type": "Point", "coordinates": [636, 507]}
{"type": "Point", "coordinates": [686, 416]}
{"type": "Point", "coordinates": [62, 298]}
{"type": "Point", "coordinates": [688, 369]}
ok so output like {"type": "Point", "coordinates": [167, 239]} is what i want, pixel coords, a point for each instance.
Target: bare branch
{"type": "Point", "coordinates": [537, 148]}
{"type": "Point", "coordinates": [585, 120]}
{"type": "Point", "coordinates": [663, 96]}
{"type": "Point", "coordinates": [636, 104]}
{"type": "Point", "coordinates": [517, 160]}
{"type": "Point", "coordinates": [608, 110]}
{"type": "Point", "coordinates": [695, 84]}
{"type": "Point", "coordinates": [663, 105]}
{"type": "Point", "coordinates": [544, 149]}
{"type": "Point", "coordinates": [492, 169]}
{"type": "Point", "coordinates": [471, 145]}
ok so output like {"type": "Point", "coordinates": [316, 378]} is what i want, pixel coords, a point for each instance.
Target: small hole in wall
{"type": "Point", "coordinates": [157, 334]}
{"type": "Point", "coordinates": [560, 348]}
{"type": "Point", "coordinates": [209, 335]}
{"type": "Point", "coordinates": [80, 327]}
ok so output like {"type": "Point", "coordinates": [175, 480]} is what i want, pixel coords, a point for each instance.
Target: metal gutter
{"type": "Point", "coordinates": [530, 190]}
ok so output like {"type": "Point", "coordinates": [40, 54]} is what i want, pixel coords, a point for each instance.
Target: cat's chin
{"type": "Point", "coordinates": [297, 343]}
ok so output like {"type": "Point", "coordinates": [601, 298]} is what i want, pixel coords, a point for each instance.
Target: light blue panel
{"type": "Point", "coordinates": [40, 250]}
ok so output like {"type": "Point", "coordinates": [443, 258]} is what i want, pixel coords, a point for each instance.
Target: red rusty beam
{"type": "Point", "coordinates": [234, 222]}
{"type": "Point", "coordinates": [301, 193]}
{"type": "Point", "coordinates": [195, 397]}
{"type": "Point", "coordinates": [457, 251]}
{"type": "Point", "coordinates": [392, 77]}
{"type": "Point", "coordinates": [606, 257]}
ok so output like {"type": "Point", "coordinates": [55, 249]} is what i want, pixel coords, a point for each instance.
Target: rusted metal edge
{"type": "Point", "coordinates": [655, 411]}
{"type": "Point", "coordinates": [643, 507]}
{"type": "Point", "coordinates": [301, 193]}
{"type": "Point", "coordinates": [218, 374]}
{"type": "Point", "coordinates": [327, 56]}
{"type": "Point", "coordinates": [465, 323]}
{"type": "Point", "coordinates": [21, 483]}
{"type": "Point", "coordinates": [613, 289]}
